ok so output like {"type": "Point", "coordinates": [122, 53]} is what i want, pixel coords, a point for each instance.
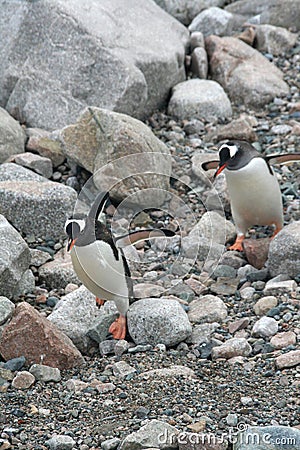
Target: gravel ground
{"type": "Point", "coordinates": [254, 391]}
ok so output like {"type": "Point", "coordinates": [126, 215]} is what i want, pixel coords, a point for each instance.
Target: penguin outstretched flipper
{"type": "Point", "coordinates": [283, 158]}
{"type": "Point", "coordinates": [142, 235]}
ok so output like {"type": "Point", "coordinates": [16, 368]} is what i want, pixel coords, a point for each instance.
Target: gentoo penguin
{"type": "Point", "coordinates": [99, 262]}
{"type": "Point", "coordinates": [253, 187]}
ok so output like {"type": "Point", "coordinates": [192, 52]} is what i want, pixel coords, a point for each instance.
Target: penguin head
{"type": "Point", "coordinates": [73, 228]}
{"type": "Point", "coordinates": [234, 155]}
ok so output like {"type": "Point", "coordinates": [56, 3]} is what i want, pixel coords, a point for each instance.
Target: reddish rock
{"type": "Point", "coordinates": [284, 339]}
{"type": "Point", "coordinates": [236, 129]}
{"type": "Point", "coordinates": [256, 251]}
{"type": "Point", "coordinates": [33, 336]}
{"type": "Point", "coordinates": [289, 359]}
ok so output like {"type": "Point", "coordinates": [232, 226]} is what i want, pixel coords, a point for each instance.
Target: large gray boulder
{"type": "Point", "coordinates": [284, 251]}
{"type": "Point", "coordinates": [240, 69]}
{"type": "Point", "coordinates": [158, 321]}
{"type": "Point", "coordinates": [123, 154]}
{"type": "Point", "coordinates": [12, 136]}
{"type": "Point", "coordinates": [14, 261]}
{"type": "Point", "coordinates": [33, 204]}
{"type": "Point", "coordinates": [274, 12]}
{"type": "Point", "coordinates": [57, 56]}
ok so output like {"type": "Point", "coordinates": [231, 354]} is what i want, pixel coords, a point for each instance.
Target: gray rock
{"type": "Point", "coordinates": [197, 40]}
{"type": "Point", "coordinates": [39, 141]}
{"type": "Point", "coordinates": [231, 61]}
{"type": "Point", "coordinates": [264, 304]}
{"type": "Point", "coordinates": [231, 348]}
{"type": "Point", "coordinates": [207, 308]}
{"type": "Point", "coordinates": [186, 10]}
{"type": "Point", "coordinates": [39, 257]}
{"type": "Point", "coordinates": [289, 359]}
{"type": "Point", "coordinates": [194, 246]}
{"type": "Point", "coordinates": [155, 434]}
{"type": "Point", "coordinates": [25, 195]}
{"type": "Point", "coordinates": [224, 271]}
{"type": "Point", "coordinates": [26, 284]}
{"type": "Point", "coordinates": [268, 438]}
{"type": "Point", "coordinates": [169, 372]}
{"type": "Point", "coordinates": [247, 293]}
{"type": "Point", "coordinates": [15, 260]}
{"type": "Point", "coordinates": [202, 333]}
{"type": "Point", "coordinates": [158, 321]}
{"type": "Point", "coordinates": [203, 99]}
{"type": "Point", "coordinates": [274, 40]}
{"type": "Point", "coordinates": [110, 444]}
{"type": "Point", "coordinates": [100, 58]}
{"type": "Point", "coordinates": [107, 347]}
{"type": "Point", "coordinates": [215, 227]}
{"type": "Point", "coordinates": [98, 331]}
{"type": "Point", "coordinates": [45, 373]}
{"type": "Point", "coordinates": [23, 380]}
{"type": "Point", "coordinates": [121, 369]}
{"type": "Point", "coordinates": [119, 152]}
{"type": "Point", "coordinates": [274, 12]}
{"type": "Point", "coordinates": [213, 20]}
{"type": "Point", "coordinates": [278, 286]}
{"type": "Point", "coordinates": [199, 63]}
{"type": "Point", "coordinates": [15, 364]}
{"type": "Point", "coordinates": [284, 251]}
{"type": "Point", "coordinates": [57, 274]}
{"type": "Point", "coordinates": [12, 136]}
{"type": "Point", "coordinates": [265, 327]}
{"type": "Point", "coordinates": [37, 163]}
{"type": "Point", "coordinates": [6, 309]}
{"type": "Point", "coordinates": [61, 442]}
{"type": "Point", "coordinates": [74, 314]}
{"type": "Point", "coordinates": [146, 290]}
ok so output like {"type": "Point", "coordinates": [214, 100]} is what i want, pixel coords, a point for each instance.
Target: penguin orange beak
{"type": "Point", "coordinates": [219, 170]}
{"type": "Point", "coordinates": [71, 243]}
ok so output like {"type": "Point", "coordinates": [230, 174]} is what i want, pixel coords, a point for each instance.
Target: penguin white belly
{"type": "Point", "coordinates": [98, 269]}
{"type": "Point", "coordinates": [255, 196]}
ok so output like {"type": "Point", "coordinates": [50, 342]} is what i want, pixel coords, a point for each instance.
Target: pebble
{"type": "Point", "coordinates": [283, 340]}
{"type": "Point", "coordinates": [247, 293]}
{"type": "Point", "coordinates": [231, 348]}
{"type": "Point", "coordinates": [61, 442]}
{"type": "Point", "coordinates": [208, 308]}
{"type": "Point", "coordinates": [45, 373]}
{"type": "Point", "coordinates": [264, 304]}
{"type": "Point", "coordinates": [289, 359]}
{"type": "Point", "coordinates": [143, 348]}
{"type": "Point", "coordinates": [6, 309]}
{"type": "Point", "coordinates": [246, 401]}
{"type": "Point", "coordinates": [121, 347]}
{"type": "Point", "coordinates": [110, 444]}
{"type": "Point", "coordinates": [23, 380]}
{"type": "Point", "coordinates": [265, 327]}
{"type": "Point", "coordinates": [122, 369]}
{"type": "Point", "coordinates": [232, 420]}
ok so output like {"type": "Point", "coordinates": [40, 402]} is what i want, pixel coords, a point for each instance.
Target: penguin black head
{"type": "Point", "coordinates": [84, 229]}
{"type": "Point", "coordinates": [73, 227]}
{"type": "Point", "coordinates": [234, 155]}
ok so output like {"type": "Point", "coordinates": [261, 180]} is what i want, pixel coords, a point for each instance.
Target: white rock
{"type": "Point", "coordinates": [265, 327]}
{"type": "Point", "coordinates": [264, 304]}
{"type": "Point", "coordinates": [247, 293]}
{"type": "Point", "coordinates": [204, 99]}
{"type": "Point", "coordinates": [213, 20]}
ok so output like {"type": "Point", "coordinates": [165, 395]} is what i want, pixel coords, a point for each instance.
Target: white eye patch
{"type": "Point", "coordinates": [231, 148]}
{"type": "Point", "coordinates": [80, 222]}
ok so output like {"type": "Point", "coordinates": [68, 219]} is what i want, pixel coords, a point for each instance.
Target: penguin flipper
{"type": "Point", "coordinates": [283, 158]}
{"type": "Point", "coordinates": [142, 235]}
{"type": "Point", "coordinates": [210, 165]}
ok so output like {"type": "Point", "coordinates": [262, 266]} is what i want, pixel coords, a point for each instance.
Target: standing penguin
{"type": "Point", "coordinates": [253, 187]}
{"type": "Point", "coordinates": [99, 262]}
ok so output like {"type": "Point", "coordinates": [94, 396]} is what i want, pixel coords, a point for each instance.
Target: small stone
{"type": "Point", "coordinates": [146, 290]}
{"type": "Point", "coordinates": [207, 308]}
{"type": "Point", "coordinates": [281, 129]}
{"type": "Point", "coordinates": [283, 340]}
{"type": "Point", "coordinates": [264, 304]}
{"type": "Point", "coordinates": [198, 427]}
{"type": "Point", "coordinates": [101, 387]}
{"type": "Point", "coordinates": [75, 385]}
{"type": "Point", "coordinates": [289, 359]}
{"type": "Point", "coordinates": [265, 327]}
{"type": "Point", "coordinates": [246, 401]}
{"type": "Point", "coordinates": [39, 257]}
{"type": "Point", "coordinates": [121, 347]}
{"type": "Point", "coordinates": [279, 287]}
{"type": "Point", "coordinates": [231, 348]}
{"type": "Point", "coordinates": [110, 444]}
{"type": "Point", "coordinates": [15, 364]}
{"type": "Point", "coordinates": [224, 271]}
{"type": "Point", "coordinates": [169, 372]}
{"type": "Point", "coordinates": [256, 251]}
{"type": "Point", "coordinates": [232, 420]}
{"type": "Point", "coordinates": [6, 309]}
{"type": "Point", "coordinates": [199, 63]}
{"type": "Point", "coordinates": [150, 435]}
{"type": "Point", "coordinates": [45, 373]}
{"type": "Point", "coordinates": [237, 325]}
{"type": "Point", "coordinates": [247, 293]}
{"type": "Point", "coordinates": [6, 374]}
{"type": "Point", "coordinates": [61, 442]}
{"type": "Point", "coordinates": [38, 164]}
{"type": "Point", "coordinates": [121, 369]}
{"type": "Point", "coordinates": [107, 347]}
{"type": "Point", "coordinates": [23, 380]}
{"type": "Point", "coordinates": [142, 348]}
{"type": "Point", "coordinates": [142, 412]}
{"type": "Point", "coordinates": [196, 40]}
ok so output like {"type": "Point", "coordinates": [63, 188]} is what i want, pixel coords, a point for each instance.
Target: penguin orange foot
{"type": "Point", "coordinates": [238, 245]}
{"type": "Point", "coordinates": [99, 301]}
{"type": "Point", "coordinates": [276, 231]}
{"type": "Point", "coordinates": [118, 328]}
